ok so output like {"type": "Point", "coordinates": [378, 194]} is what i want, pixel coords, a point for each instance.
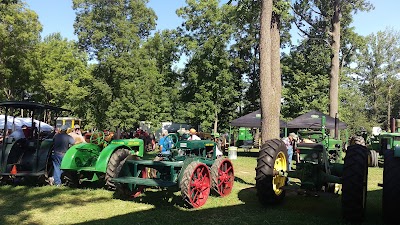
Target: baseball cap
{"type": "Point", "coordinates": [64, 128]}
{"type": "Point", "coordinates": [77, 127]}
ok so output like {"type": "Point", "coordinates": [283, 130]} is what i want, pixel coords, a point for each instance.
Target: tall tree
{"type": "Point", "coordinates": [377, 66]}
{"type": "Point", "coordinates": [322, 19]}
{"type": "Point", "coordinates": [305, 79]}
{"type": "Point", "coordinates": [270, 71]}
{"type": "Point", "coordinates": [19, 36]}
{"type": "Point", "coordinates": [63, 74]}
{"type": "Point", "coordinates": [113, 34]}
{"type": "Point", "coordinates": [209, 85]}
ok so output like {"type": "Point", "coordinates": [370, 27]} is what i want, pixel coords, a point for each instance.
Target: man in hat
{"type": "Point", "coordinates": [290, 143]}
{"type": "Point", "coordinates": [77, 135]}
{"type": "Point", "coordinates": [62, 142]}
{"type": "Point", "coordinates": [193, 136]}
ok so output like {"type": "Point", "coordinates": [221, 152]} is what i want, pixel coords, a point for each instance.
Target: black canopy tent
{"type": "Point", "coordinates": [312, 119]}
{"type": "Point", "coordinates": [252, 120]}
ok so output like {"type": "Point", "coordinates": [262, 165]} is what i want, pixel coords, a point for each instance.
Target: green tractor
{"type": "Point", "coordinates": [28, 157]}
{"type": "Point", "coordinates": [191, 166]}
{"type": "Point", "coordinates": [388, 146]}
{"type": "Point", "coordinates": [98, 159]}
{"type": "Point", "coordinates": [320, 168]}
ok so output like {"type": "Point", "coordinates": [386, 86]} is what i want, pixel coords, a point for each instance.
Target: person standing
{"type": "Point", "coordinates": [62, 142]}
{"type": "Point", "coordinates": [18, 134]}
{"type": "Point", "coordinates": [289, 142]}
{"type": "Point", "coordinates": [77, 135]}
{"type": "Point", "coordinates": [193, 136]}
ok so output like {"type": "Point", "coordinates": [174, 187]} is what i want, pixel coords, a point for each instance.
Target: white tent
{"type": "Point", "coordinates": [12, 122]}
{"type": "Point", "coordinates": [28, 122]}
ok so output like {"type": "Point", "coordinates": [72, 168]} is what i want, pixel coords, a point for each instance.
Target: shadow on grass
{"type": "Point", "coordinates": [240, 180]}
{"type": "Point", "coordinates": [294, 209]}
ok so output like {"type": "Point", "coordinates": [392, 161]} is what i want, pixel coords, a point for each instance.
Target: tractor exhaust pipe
{"type": "Point", "coordinates": [336, 126]}
{"type": "Point", "coordinates": [392, 125]}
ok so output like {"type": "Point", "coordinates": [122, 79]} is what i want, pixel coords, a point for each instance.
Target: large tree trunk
{"type": "Point", "coordinates": [275, 111]}
{"type": "Point", "coordinates": [334, 75]}
{"type": "Point", "coordinates": [270, 86]}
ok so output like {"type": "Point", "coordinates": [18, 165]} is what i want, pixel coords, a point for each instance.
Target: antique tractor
{"type": "Point", "coordinates": [319, 168]}
{"type": "Point", "coordinates": [98, 159]}
{"type": "Point", "coordinates": [388, 146]}
{"type": "Point", "coordinates": [27, 158]}
{"type": "Point", "coordinates": [191, 166]}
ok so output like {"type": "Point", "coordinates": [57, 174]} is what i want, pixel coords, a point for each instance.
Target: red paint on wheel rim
{"type": "Point", "coordinates": [199, 186]}
{"type": "Point", "coordinates": [226, 178]}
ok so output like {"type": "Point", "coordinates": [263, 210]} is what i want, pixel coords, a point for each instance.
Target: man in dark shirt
{"type": "Point", "coordinates": [62, 142]}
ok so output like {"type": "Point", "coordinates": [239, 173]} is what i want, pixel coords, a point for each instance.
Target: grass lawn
{"type": "Point", "coordinates": [52, 205]}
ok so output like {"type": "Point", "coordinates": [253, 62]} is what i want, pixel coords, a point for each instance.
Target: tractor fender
{"type": "Point", "coordinates": [73, 152]}
{"type": "Point", "coordinates": [105, 155]}
{"type": "Point", "coordinates": [186, 163]}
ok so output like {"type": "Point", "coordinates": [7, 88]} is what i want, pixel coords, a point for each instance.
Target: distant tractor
{"type": "Point", "coordinates": [320, 168]}
{"type": "Point", "coordinates": [388, 145]}
{"type": "Point", "coordinates": [98, 160]}
{"type": "Point", "coordinates": [192, 167]}
{"type": "Point", "coordinates": [70, 122]}
{"type": "Point", "coordinates": [29, 157]}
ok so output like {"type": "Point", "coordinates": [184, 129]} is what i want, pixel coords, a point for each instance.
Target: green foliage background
{"type": "Point", "coordinates": [121, 71]}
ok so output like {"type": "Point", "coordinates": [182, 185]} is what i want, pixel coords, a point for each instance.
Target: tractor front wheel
{"type": "Point", "coordinates": [391, 187]}
{"type": "Point", "coordinates": [272, 159]}
{"type": "Point", "coordinates": [70, 179]}
{"type": "Point", "coordinates": [222, 176]}
{"type": "Point", "coordinates": [115, 160]}
{"type": "Point", "coordinates": [354, 187]}
{"type": "Point", "coordinates": [129, 191]}
{"type": "Point", "coordinates": [195, 184]}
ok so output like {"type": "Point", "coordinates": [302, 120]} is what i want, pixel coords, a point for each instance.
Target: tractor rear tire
{"type": "Point", "coordinates": [115, 160]}
{"type": "Point", "coordinates": [195, 184]}
{"type": "Point", "coordinates": [129, 191]}
{"type": "Point", "coordinates": [272, 157]}
{"type": "Point", "coordinates": [354, 187]}
{"type": "Point", "coordinates": [357, 140]}
{"type": "Point", "coordinates": [391, 188]}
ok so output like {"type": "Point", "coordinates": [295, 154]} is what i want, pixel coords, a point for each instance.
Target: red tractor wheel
{"type": "Point", "coordinates": [195, 184]}
{"type": "Point", "coordinates": [126, 191]}
{"type": "Point", "coordinates": [222, 176]}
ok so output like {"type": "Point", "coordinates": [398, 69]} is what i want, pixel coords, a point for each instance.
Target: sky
{"type": "Point", "coordinates": [58, 16]}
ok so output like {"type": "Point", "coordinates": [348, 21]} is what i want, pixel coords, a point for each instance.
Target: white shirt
{"type": "Point", "coordinates": [193, 137]}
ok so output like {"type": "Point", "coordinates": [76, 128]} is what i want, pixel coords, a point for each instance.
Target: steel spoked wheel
{"type": "Point", "coordinates": [354, 187]}
{"type": "Point", "coordinates": [272, 159]}
{"type": "Point", "coordinates": [195, 184]}
{"type": "Point", "coordinates": [128, 191]}
{"type": "Point", "coordinates": [222, 176]}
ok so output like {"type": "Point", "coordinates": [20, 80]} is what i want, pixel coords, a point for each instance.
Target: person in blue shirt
{"type": "Point", "coordinates": [165, 143]}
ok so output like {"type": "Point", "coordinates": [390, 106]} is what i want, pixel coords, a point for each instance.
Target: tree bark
{"type": "Point", "coordinates": [335, 71]}
{"type": "Point", "coordinates": [270, 84]}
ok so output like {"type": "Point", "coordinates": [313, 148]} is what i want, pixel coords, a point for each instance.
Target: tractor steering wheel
{"type": "Point", "coordinates": [97, 138]}
{"type": "Point", "coordinates": [174, 138]}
